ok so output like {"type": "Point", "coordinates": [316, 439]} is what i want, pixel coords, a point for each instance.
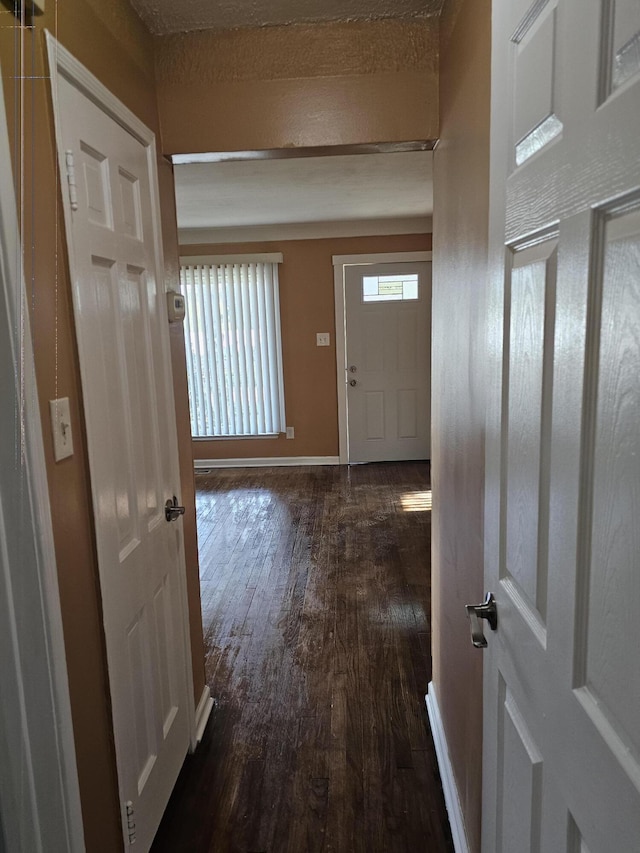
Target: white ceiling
{"type": "Point", "coordinates": [344, 188]}
{"type": "Point", "coordinates": [172, 16]}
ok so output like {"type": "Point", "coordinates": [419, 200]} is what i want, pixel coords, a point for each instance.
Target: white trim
{"type": "Point", "coordinates": [214, 260]}
{"type": "Point", "coordinates": [341, 360]}
{"type": "Point", "coordinates": [335, 229]}
{"type": "Point", "coordinates": [261, 435]}
{"type": "Point", "coordinates": [451, 796]}
{"type": "Point", "coordinates": [203, 712]}
{"type": "Point", "coordinates": [339, 264]}
{"type": "Point", "coordinates": [62, 62]}
{"type": "Point", "coordinates": [314, 151]}
{"type": "Point", "coordinates": [33, 642]}
{"type": "Point", "coordinates": [382, 258]}
{"type": "Point", "coordinates": [266, 462]}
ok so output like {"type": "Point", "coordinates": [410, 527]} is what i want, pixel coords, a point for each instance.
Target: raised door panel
{"type": "Point", "coordinates": [520, 780]}
{"type": "Point", "coordinates": [376, 352]}
{"type": "Point", "coordinates": [528, 361]}
{"type": "Point", "coordinates": [535, 110]}
{"type": "Point", "coordinates": [621, 54]}
{"type": "Point", "coordinates": [409, 400]}
{"type": "Point", "coordinates": [374, 419]}
{"type": "Point", "coordinates": [608, 667]}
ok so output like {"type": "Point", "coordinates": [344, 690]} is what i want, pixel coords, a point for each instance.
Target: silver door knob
{"type": "Point", "coordinates": [353, 383]}
{"type": "Point", "coordinates": [489, 611]}
{"type": "Point", "coordinates": [172, 510]}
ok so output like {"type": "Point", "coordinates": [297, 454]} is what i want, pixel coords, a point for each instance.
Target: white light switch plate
{"type": "Point", "coordinates": [61, 428]}
{"type": "Point", "coordinates": [323, 339]}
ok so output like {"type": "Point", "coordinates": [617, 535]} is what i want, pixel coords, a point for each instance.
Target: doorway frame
{"type": "Point", "coordinates": [340, 263]}
{"type": "Point", "coordinates": [38, 589]}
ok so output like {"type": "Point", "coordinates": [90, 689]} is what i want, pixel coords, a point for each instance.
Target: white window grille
{"type": "Point", "coordinates": [234, 346]}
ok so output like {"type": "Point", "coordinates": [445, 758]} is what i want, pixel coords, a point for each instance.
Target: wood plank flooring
{"type": "Point", "coordinates": [316, 603]}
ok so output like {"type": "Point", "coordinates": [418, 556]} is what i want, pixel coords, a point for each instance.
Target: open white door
{"type": "Point", "coordinates": [108, 169]}
{"type": "Point", "coordinates": [562, 672]}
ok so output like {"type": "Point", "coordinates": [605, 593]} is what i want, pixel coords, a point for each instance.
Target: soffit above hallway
{"type": "Point", "coordinates": [308, 190]}
{"type": "Point", "coordinates": [168, 16]}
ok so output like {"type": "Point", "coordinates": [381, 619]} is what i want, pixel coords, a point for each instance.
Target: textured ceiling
{"type": "Point", "coordinates": [173, 16]}
{"type": "Point", "coordinates": [301, 190]}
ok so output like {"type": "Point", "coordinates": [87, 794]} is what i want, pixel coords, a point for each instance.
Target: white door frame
{"type": "Point", "coordinates": [63, 63]}
{"type": "Point", "coordinates": [340, 262]}
{"type": "Point", "coordinates": [37, 706]}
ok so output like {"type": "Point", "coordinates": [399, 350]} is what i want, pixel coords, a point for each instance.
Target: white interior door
{"type": "Point", "coordinates": [388, 354]}
{"type": "Point", "coordinates": [562, 673]}
{"type": "Point", "coordinates": [122, 337]}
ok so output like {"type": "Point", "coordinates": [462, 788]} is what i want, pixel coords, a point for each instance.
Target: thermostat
{"type": "Point", "coordinates": [175, 306]}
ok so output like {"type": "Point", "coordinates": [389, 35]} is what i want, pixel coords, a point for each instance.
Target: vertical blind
{"type": "Point", "coordinates": [234, 348]}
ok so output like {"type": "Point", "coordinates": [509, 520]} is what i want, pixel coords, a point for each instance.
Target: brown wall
{"type": "Point", "coordinates": [299, 85]}
{"type": "Point", "coordinates": [461, 198]}
{"type": "Point", "coordinates": [110, 40]}
{"type": "Point", "coordinates": [306, 306]}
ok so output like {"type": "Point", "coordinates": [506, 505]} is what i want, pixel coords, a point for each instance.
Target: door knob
{"type": "Point", "coordinates": [353, 383]}
{"type": "Point", "coordinates": [353, 368]}
{"type": "Point", "coordinates": [489, 611]}
{"type": "Point", "coordinates": [172, 510]}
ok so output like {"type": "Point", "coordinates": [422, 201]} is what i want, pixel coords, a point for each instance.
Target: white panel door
{"type": "Point", "coordinates": [562, 672]}
{"type": "Point", "coordinates": [388, 334]}
{"type": "Point", "coordinates": [122, 340]}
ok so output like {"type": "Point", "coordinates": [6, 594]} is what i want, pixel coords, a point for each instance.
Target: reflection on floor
{"type": "Point", "coordinates": [316, 602]}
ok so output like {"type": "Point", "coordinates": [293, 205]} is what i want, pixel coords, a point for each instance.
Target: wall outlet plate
{"type": "Point", "coordinates": [291, 433]}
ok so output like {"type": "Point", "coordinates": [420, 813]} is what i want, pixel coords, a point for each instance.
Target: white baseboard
{"type": "Point", "coordinates": [203, 712]}
{"type": "Point", "coordinates": [265, 462]}
{"type": "Point", "coordinates": [451, 798]}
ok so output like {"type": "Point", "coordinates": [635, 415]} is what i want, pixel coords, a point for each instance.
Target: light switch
{"type": "Point", "coordinates": [323, 339]}
{"type": "Point", "coordinates": [61, 428]}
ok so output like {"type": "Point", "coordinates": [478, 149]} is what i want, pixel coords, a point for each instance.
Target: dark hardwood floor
{"type": "Point", "coordinates": [316, 602]}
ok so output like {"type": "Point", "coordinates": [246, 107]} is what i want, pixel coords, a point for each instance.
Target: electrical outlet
{"type": "Point", "coordinates": [323, 339]}
{"type": "Point", "coordinates": [291, 433]}
{"type": "Point", "coordinates": [61, 427]}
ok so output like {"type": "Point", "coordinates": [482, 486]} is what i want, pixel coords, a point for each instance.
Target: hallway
{"type": "Point", "coordinates": [316, 600]}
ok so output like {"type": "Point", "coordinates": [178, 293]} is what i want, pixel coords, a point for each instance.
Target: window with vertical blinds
{"type": "Point", "coordinates": [234, 348]}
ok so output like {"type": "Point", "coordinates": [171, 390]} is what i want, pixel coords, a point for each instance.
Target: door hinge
{"type": "Point", "coordinates": [131, 824]}
{"type": "Point", "coordinates": [71, 179]}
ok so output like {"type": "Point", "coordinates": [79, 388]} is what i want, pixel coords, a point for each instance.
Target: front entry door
{"type": "Point", "coordinates": [388, 351]}
{"type": "Point", "coordinates": [108, 179]}
{"type": "Point", "coordinates": [562, 672]}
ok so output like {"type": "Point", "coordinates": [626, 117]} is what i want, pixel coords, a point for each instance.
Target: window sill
{"type": "Point", "coordinates": [257, 437]}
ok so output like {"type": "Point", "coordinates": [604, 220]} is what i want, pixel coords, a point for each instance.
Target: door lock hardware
{"type": "Point", "coordinates": [172, 510]}
{"type": "Point", "coordinates": [353, 383]}
{"type": "Point", "coordinates": [353, 368]}
{"type": "Point", "coordinates": [489, 611]}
